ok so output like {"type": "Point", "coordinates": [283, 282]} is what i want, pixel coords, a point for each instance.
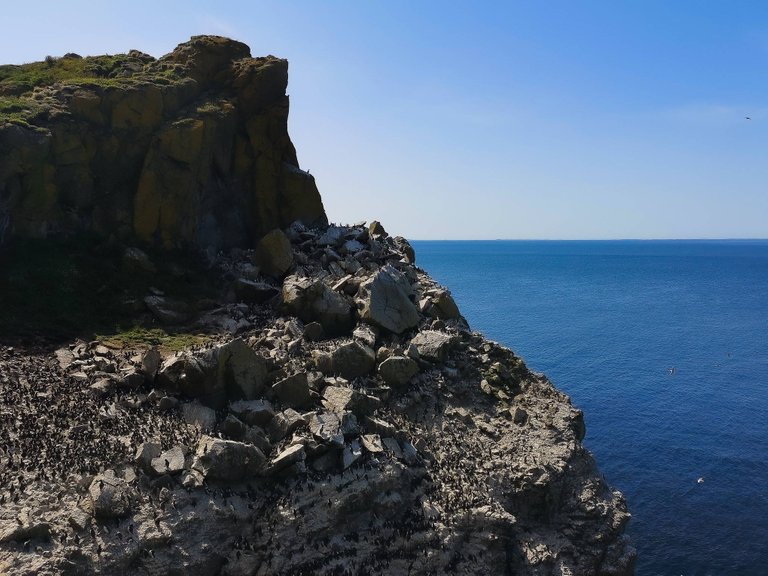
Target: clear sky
{"type": "Point", "coordinates": [559, 119]}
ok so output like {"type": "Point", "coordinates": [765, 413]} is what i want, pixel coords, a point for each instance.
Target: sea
{"type": "Point", "coordinates": [664, 346]}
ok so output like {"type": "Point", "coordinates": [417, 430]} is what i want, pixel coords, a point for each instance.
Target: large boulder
{"type": "Point", "coordinates": [314, 301]}
{"type": "Point", "coordinates": [227, 372]}
{"type": "Point", "coordinates": [293, 391]}
{"type": "Point", "coordinates": [274, 254]}
{"type": "Point", "coordinates": [353, 359]}
{"type": "Point", "coordinates": [284, 423]}
{"type": "Point", "coordinates": [257, 412]}
{"type": "Point", "coordinates": [340, 399]}
{"type": "Point", "coordinates": [398, 370]}
{"type": "Point", "coordinates": [442, 306]}
{"type": "Point", "coordinates": [291, 456]}
{"type": "Point", "coordinates": [386, 301]}
{"type": "Point", "coordinates": [433, 345]}
{"type": "Point", "coordinates": [111, 496]}
{"type": "Point", "coordinates": [326, 427]}
{"type": "Point", "coordinates": [227, 460]}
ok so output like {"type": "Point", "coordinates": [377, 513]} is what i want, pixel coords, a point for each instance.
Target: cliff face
{"type": "Point", "coordinates": [190, 150]}
{"type": "Point", "coordinates": [327, 410]}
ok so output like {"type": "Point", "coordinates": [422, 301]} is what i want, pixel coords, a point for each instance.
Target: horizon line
{"type": "Point", "coordinates": [731, 239]}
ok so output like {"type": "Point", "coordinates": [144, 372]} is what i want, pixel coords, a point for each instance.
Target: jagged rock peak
{"type": "Point", "coordinates": [189, 150]}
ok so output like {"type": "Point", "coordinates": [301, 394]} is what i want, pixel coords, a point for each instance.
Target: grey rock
{"type": "Point", "coordinates": [150, 363]}
{"type": "Point", "coordinates": [256, 436]}
{"type": "Point", "coordinates": [232, 370]}
{"type": "Point", "coordinates": [393, 446]}
{"type": "Point", "coordinates": [166, 310]}
{"type": "Point", "coordinates": [254, 292]}
{"type": "Point", "coordinates": [244, 371]}
{"type": "Point", "coordinates": [340, 399]}
{"type": "Point", "coordinates": [292, 455]}
{"type": "Point", "coordinates": [352, 453]}
{"type": "Point", "coordinates": [22, 533]}
{"type": "Point", "coordinates": [169, 462]}
{"type": "Point", "coordinates": [198, 415]}
{"type": "Point", "coordinates": [381, 426]}
{"type": "Point", "coordinates": [323, 361]}
{"type": "Point", "coordinates": [192, 478]}
{"type": "Point", "coordinates": [78, 519]}
{"type": "Point", "coordinates": [111, 496]}
{"type": "Point", "coordinates": [313, 331]}
{"type": "Point", "coordinates": [349, 425]}
{"type": "Point", "coordinates": [443, 306]}
{"type": "Point", "coordinates": [376, 230]}
{"type": "Point", "coordinates": [326, 426]}
{"type": "Point", "coordinates": [433, 345]}
{"type": "Point", "coordinates": [274, 254]}
{"type": "Point", "coordinates": [372, 443]}
{"type": "Point", "coordinates": [333, 236]}
{"type": "Point", "coordinates": [385, 301]}
{"type": "Point", "coordinates": [136, 260]}
{"type": "Point", "coordinates": [167, 403]}
{"type": "Point", "coordinates": [293, 391]}
{"type": "Point", "coordinates": [258, 412]}
{"type": "Point", "coordinates": [64, 357]}
{"type": "Point", "coordinates": [367, 334]}
{"type": "Point", "coordinates": [284, 423]}
{"type": "Point", "coordinates": [233, 428]}
{"type": "Point", "coordinates": [398, 370]}
{"type": "Point", "coordinates": [314, 301]}
{"type": "Point", "coordinates": [353, 359]}
{"type": "Point", "coordinates": [227, 460]}
{"type": "Point", "coordinates": [407, 250]}
{"type": "Point", "coordinates": [145, 453]}
{"type": "Point", "coordinates": [351, 247]}
{"type": "Point", "coordinates": [410, 454]}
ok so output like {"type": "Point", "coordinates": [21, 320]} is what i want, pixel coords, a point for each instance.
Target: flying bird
{"type": "Point", "coordinates": [747, 118]}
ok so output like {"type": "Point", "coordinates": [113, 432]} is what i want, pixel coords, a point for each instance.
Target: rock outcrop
{"type": "Point", "coordinates": [335, 413]}
{"type": "Point", "coordinates": [189, 150]}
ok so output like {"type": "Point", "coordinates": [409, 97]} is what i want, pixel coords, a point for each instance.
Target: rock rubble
{"type": "Point", "coordinates": [395, 441]}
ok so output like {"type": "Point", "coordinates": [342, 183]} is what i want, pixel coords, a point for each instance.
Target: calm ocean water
{"type": "Point", "coordinates": [606, 321]}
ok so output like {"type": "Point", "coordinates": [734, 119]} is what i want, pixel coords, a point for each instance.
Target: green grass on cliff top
{"type": "Point", "coordinates": [19, 79]}
{"type": "Point", "coordinates": [20, 103]}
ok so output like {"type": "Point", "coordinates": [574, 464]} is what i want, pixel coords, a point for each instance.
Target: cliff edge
{"type": "Point", "coordinates": [323, 408]}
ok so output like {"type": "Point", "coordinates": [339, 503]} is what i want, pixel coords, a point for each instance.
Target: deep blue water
{"type": "Point", "coordinates": [606, 320]}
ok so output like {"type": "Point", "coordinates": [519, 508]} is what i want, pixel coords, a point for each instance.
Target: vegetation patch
{"type": "Point", "coordinates": [141, 336]}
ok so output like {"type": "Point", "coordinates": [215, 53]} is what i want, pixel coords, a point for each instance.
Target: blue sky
{"type": "Point", "coordinates": [565, 119]}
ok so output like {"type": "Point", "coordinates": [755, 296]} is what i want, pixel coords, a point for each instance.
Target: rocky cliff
{"type": "Point", "coordinates": [191, 149]}
{"type": "Point", "coordinates": [325, 410]}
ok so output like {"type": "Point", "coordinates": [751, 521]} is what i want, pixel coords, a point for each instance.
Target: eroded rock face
{"type": "Point", "coordinates": [190, 150]}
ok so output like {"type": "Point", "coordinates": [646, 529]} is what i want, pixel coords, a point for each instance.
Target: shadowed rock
{"type": "Point", "coordinates": [227, 460]}
{"type": "Point", "coordinates": [314, 301]}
